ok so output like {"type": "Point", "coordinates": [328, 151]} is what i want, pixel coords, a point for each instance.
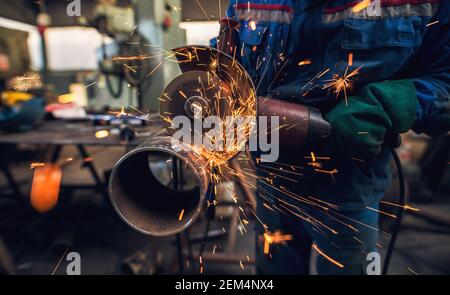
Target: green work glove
{"type": "Point", "coordinates": [377, 109]}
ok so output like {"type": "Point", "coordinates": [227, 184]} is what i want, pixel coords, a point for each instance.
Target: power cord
{"type": "Point", "coordinates": [401, 203]}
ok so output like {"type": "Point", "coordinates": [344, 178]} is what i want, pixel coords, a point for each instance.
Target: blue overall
{"type": "Point", "coordinates": [333, 208]}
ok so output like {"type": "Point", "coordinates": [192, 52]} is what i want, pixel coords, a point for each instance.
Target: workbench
{"type": "Point", "coordinates": [57, 134]}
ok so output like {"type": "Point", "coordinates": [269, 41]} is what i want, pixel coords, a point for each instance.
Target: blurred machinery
{"type": "Point", "coordinates": [19, 109]}
{"type": "Point", "coordinates": [14, 55]}
{"type": "Point", "coordinates": [133, 58]}
{"type": "Point", "coordinates": [115, 19]}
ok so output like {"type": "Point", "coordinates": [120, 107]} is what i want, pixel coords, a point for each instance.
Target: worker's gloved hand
{"type": "Point", "coordinates": [359, 128]}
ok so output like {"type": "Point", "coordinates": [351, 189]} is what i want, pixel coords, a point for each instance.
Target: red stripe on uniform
{"type": "Point", "coordinates": [383, 3]}
{"type": "Point", "coordinates": [265, 7]}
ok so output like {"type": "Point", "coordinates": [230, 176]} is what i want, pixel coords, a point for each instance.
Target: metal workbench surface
{"type": "Point", "coordinates": [75, 133]}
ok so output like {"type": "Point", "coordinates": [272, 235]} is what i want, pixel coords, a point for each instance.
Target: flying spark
{"type": "Point", "coordinates": [305, 62]}
{"type": "Point", "coordinates": [361, 5]}
{"type": "Point", "coordinates": [432, 23]}
{"type": "Point", "coordinates": [338, 264]}
{"type": "Point", "coordinates": [342, 83]}
{"type": "Point", "coordinates": [180, 216]}
{"type": "Point", "coordinates": [35, 165]}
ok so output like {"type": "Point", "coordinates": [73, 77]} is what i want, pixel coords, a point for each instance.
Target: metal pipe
{"type": "Point", "coordinates": [142, 192]}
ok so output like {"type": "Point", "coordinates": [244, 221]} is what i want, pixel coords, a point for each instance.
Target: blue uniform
{"type": "Point", "coordinates": [400, 39]}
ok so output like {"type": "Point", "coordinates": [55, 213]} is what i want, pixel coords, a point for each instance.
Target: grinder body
{"type": "Point", "coordinates": [303, 125]}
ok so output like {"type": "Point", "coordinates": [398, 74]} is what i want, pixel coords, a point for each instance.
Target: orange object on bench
{"type": "Point", "coordinates": [45, 187]}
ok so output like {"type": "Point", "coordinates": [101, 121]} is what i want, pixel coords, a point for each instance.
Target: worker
{"type": "Point", "coordinates": [374, 69]}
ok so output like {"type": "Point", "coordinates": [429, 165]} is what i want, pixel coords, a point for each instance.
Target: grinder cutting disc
{"type": "Point", "coordinates": [193, 91]}
{"type": "Point", "coordinates": [214, 83]}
